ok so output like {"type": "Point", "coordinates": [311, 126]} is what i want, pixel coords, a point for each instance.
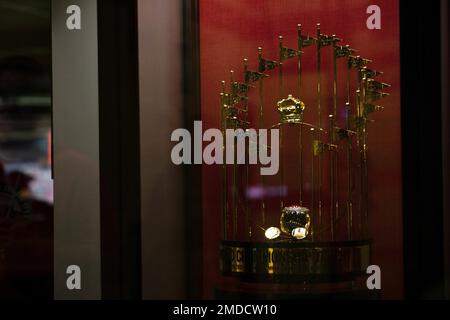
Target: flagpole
{"type": "Point", "coordinates": [280, 68]}
{"type": "Point", "coordinates": [234, 190]}
{"type": "Point", "coordinates": [358, 63]}
{"type": "Point", "coordinates": [334, 204]}
{"type": "Point", "coordinates": [281, 93]}
{"type": "Point", "coordinates": [332, 173]}
{"type": "Point", "coordinates": [261, 125]}
{"type": "Point", "coordinates": [349, 156]}
{"type": "Point", "coordinates": [223, 122]}
{"type": "Point", "coordinates": [349, 176]}
{"type": "Point", "coordinates": [248, 218]}
{"type": "Point", "coordinates": [299, 66]}
{"type": "Point", "coordinates": [313, 217]}
{"type": "Point", "coordinates": [359, 145]}
{"type": "Point", "coordinates": [360, 94]}
{"type": "Point", "coordinates": [364, 159]}
{"type": "Point", "coordinates": [300, 133]}
{"type": "Point", "coordinates": [319, 111]}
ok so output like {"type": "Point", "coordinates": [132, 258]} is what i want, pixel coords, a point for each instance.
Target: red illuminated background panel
{"type": "Point", "coordinates": [232, 30]}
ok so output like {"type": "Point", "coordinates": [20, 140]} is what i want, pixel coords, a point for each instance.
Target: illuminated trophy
{"type": "Point", "coordinates": [322, 235]}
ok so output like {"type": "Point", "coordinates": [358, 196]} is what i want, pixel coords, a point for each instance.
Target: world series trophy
{"type": "Point", "coordinates": [321, 243]}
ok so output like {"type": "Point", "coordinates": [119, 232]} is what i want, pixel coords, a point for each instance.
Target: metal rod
{"type": "Point", "coordinates": [335, 88]}
{"type": "Point", "coordinates": [235, 193]}
{"type": "Point", "coordinates": [281, 94]}
{"type": "Point", "coordinates": [300, 134]}
{"type": "Point", "coordinates": [332, 177]}
{"type": "Point", "coordinates": [300, 139]}
{"type": "Point", "coordinates": [281, 167]}
{"type": "Point", "coordinates": [350, 182]}
{"type": "Point", "coordinates": [234, 189]}
{"type": "Point", "coordinates": [359, 146]}
{"type": "Point", "coordinates": [349, 73]}
{"type": "Point", "coordinates": [299, 66]}
{"type": "Point", "coordinates": [223, 122]}
{"type": "Point", "coordinates": [334, 156]}
{"type": "Point", "coordinates": [313, 158]}
{"type": "Point", "coordinates": [349, 177]}
{"type": "Point", "coordinates": [248, 217]}
{"type": "Point", "coordinates": [261, 125]}
{"type": "Point", "coordinates": [319, 111]}
{"type": "Point", "coordinates": [364, 162]}
{"type": "Point", "coordinates": [280, 68]}
{"type": "Point", "coordinates": [319, 78]}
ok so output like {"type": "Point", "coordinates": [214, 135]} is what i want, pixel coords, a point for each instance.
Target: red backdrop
{"type": "Point", "coordinates": [232, 30]}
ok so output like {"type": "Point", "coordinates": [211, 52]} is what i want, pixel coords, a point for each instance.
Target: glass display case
{"type": "Point", "coordinates": [316, 87]}
{"type": "Point", "coordinates": [272, 149]}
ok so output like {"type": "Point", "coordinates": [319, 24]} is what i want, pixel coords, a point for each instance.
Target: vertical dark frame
{"type": "Point", "coordinates": [445, 37]}
{"type": "Point", "coordinates": [192, 174]}
{"type": "Point", "coordinates": [424, 135]}
{"type": "Point", "coordinates": [119, 149]}
{"type": "Point", "coordinates": [422, 152]}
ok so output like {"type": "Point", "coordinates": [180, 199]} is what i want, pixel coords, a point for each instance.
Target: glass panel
{"type": "Point", "coordinates": [333, 200]}
{"type": "Point", "coordinates": [26, 196]}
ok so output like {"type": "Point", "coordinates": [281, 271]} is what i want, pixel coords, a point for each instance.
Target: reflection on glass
{"type": "Point", "coordinates": [26, 188]}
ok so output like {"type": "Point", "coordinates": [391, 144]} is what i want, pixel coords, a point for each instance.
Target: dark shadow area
{"type": "Point", "coordinates": [422, 151]}
{"type": "Point", "coordinates": [26, 187]}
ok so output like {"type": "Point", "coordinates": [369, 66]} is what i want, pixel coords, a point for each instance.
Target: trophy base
{"type": "Point", "coordinates": [272, 293]}
{"type": "Point", "coordinates": [295, 262]}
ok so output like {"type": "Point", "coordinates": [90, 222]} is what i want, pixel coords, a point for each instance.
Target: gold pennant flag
{"type": "Point", "coordinates": [240, 88]}
{"type": "Point", "coordinates": [306, 41]}
{"type": "Point", "coordinates": [237, 122]}
{"type": "Point", "coordinates": [371, 108]}
{"type": "Point", "coordinates": [357, 62]}
{"type": "Point", "coordinates": [343, 134]}
{"type": "Point", "coordinates": [232, 99]}
{"type": "Point", "coordinates": [374, 85]}
{"type": "Point", "coordinates": [343, 51]}
{"type": "Point", "coordinates": [325, 40]}
{"type": "Point", "coordinates": [358, 122]}
{"type": "Point", "coordinates": [230, 113]}
{"type": "Point", "coordinates": [266, 65]}
{"type": "Point", "coordinates": [369, 73]}
{"type": "Point", "coordinates": [288, 53]}
{"type": "Point", "coordinates": [321, 147]}
{"type": "Point", "coordinates": [233, 111]}
{"type": "Point", "coordinates": [253, 76]}
{"type": "Point", "coordinates": [372, 96]}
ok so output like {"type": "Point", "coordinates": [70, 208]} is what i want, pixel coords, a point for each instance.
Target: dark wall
{"type": "Point", "coordinates": [445, 36]}
{"type": "Point", "coordinates": [119, 149]}
{"type": "Point", "coordinates": [422, 152]}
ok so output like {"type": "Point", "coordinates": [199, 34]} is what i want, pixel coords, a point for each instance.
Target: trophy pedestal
{"type": "Point", "coordinates": [294, 269]}
{"type": "Point", "coordinates": [274, 293]}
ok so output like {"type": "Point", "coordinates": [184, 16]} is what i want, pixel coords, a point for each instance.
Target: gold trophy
{"type": "Point", "coordinates": [317, 238]}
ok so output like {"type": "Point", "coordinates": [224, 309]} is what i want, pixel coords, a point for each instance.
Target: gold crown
{"type": "Point", "coordinates": [291, 110]}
